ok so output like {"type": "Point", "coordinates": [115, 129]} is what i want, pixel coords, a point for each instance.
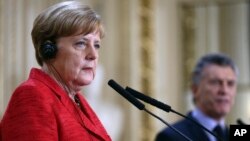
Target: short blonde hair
{"type": "Point", "coordinates": [61, 20]}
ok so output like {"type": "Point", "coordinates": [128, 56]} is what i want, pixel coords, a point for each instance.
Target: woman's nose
{"type": "Point", "coordinates": [92, 53]}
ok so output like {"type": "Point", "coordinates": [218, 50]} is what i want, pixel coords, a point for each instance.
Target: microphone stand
{"type": "Point", "coordinates": [166, 108]}
{"type": "Point", "coordinates": [186, 137]}
{"type": "Point", "coordinates": [140, 105]}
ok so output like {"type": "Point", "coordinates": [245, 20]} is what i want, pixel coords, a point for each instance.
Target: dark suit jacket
{"type": "Point", "coordinates": [186, 127]}
{"type": "Point", "coordinates": [40, 110]}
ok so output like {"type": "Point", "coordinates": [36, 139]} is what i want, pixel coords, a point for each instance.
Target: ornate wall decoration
{"type": "Point", "coordinates": [147, 61]}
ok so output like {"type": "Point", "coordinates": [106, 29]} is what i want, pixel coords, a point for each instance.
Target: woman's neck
{"type": "Point", "coordinates": [52, 72]}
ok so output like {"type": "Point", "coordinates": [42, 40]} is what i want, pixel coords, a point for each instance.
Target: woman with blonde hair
{"type": "Point", "coordinates": [48, 106]}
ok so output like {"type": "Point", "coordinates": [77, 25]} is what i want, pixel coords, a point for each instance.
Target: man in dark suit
{"type": "Point", "coordinates": [214, 88]}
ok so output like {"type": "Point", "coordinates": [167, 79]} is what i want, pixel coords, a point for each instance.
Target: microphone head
{"type": "Point", "coordinates": [126, 94]}
{"type": "Point", "coordinates": [240, 122]}
{"type": "Point", "coordinates": [148, 99]}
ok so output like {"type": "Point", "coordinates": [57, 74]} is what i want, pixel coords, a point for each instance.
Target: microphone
{"type": "Point", "coordinates": [140, 105]}
{"type": "Point", "coordinates": [126, 95]}
{"type": "Point", "coordinates": [165, 107]}
{"type": "Point", "coordinates": [149, 100]}
{"type": "Point", "coordinates": [240, 122]}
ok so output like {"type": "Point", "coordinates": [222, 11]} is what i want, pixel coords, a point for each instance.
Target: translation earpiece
{"type": "Point", "coordinates": [48, 50]}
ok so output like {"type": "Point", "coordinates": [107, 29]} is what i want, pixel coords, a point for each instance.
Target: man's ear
{"type": "Point", "coordinates": [194, 89]}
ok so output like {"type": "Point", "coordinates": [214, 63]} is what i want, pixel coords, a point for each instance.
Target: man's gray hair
{"type": "Point", "coordinates": [212, 59]}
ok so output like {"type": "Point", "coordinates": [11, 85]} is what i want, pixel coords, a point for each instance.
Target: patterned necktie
{"type": "Point", "coordinates": [219, 132]}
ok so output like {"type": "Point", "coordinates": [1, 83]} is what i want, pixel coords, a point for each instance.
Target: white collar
{"type": "Point", "coordinates": [207, 121]}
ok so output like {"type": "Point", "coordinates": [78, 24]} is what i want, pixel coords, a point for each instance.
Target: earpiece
{"type": "Point", "coordinates": [48, 50]}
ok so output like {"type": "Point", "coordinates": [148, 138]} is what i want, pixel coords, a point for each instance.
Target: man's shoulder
{"type": "Point", "coordinates": [183, 124]}
{"type": "Point", "coordinates": [185, 127]}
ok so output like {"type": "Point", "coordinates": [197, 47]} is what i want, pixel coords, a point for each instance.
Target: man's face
{"type": "Point", "coordinates": [215, 93]}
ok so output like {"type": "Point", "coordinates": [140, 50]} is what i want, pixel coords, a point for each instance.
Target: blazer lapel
{"type": "Point", "coordinates": [58, 91]}
{"type": "Point", "coordinates": [85, 116]}
{"type": "Point", "coordinates": [197, 131]}
{"type": "Point", "coordinates": [90, 119]}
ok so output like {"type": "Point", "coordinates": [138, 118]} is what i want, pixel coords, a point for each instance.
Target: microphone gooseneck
{"type": "Point", "coordinates": [149, 100]}
{"type": "Point", "coordinates": [170, 126]}
{"type": "Point", "coordinates": [140, 105]}
{"type": "Point", "coordinates": [166, 108]}
{"type": "Point", "coordinates": [126, 95]}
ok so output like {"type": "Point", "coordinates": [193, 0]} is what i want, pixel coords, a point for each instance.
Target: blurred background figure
{"type": "Point", "coordinates": [214, 86]}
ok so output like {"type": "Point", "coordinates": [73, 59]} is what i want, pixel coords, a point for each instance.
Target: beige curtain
{"type": "Point", "coordinates": [17, 53]}
{"type": "Point", "coordinates": [1, 63]}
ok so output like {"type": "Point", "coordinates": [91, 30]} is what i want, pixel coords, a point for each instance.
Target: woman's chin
{"type": "Point", "coordinates": [78, 85]}
{"type": "Point", "coordinates": [84, 82]}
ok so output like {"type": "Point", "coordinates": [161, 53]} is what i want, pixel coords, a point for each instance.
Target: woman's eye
{"type": "Point", "coordinates": [97, 46]}
{"type": "Point", "coordinates": [81, 44]}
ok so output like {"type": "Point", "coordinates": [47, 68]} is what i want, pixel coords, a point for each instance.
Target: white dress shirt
{"type": "Point", "coordinates": [207, 122]}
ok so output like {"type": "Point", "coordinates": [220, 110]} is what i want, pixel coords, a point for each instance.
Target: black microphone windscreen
{"type": "Point", "coordinates": [126, 95]}
{"type": "Point", "coordinates": [148, 99]}
{"type": "Point", "coordinates": [240, 122]}
{"type": "Point", "coordinates": [164, 107]}
{"type": "Point", "coordinates": [140, 106]}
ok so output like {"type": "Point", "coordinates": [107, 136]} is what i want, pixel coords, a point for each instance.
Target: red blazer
{"type": "Point", "coordinates": [39, 110]}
